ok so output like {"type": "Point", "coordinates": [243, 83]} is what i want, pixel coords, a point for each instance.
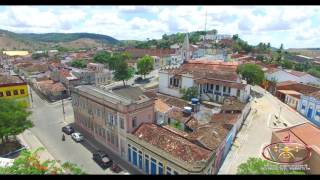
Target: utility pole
{"type": "Point", "coordinates": [63, 112]}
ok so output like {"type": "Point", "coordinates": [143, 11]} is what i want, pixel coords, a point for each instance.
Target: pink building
{"type": "Point", "coordinates": [108, 115]}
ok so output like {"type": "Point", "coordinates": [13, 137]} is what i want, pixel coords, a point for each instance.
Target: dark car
{"type": "Point", "coordinates": [68, 130]}
{"type": "Point", "coordinates": [138, 79]}
{"type": "Point", "coordinates": [102, 159]}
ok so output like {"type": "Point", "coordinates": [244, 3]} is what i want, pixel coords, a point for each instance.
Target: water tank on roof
{"type": "Point", "coordinates": [194, 100]}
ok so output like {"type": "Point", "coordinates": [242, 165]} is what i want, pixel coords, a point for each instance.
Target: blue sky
{"type": "Point", "coordinates": [294, 26]}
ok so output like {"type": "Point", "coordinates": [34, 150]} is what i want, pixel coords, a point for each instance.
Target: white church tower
{"type": "Point", "coordinates": [185, 53]}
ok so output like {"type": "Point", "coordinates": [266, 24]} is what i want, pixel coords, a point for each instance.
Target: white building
{"type": "Point", "coordinates": [214, 80]}
{"type": "Point", "coordinates": [291, 75]}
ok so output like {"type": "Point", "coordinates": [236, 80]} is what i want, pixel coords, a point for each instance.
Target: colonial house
{"type": "Point", "coordinates": [214, 80]}
{"type": "Point", "coordinates": [309, 107]}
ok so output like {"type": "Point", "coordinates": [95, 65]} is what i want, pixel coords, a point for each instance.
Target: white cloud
{"type": "Point", "coordinates": [255, 23]}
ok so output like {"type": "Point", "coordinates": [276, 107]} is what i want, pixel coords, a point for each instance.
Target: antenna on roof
{"type": "Point", "coordinates": [205, 34]}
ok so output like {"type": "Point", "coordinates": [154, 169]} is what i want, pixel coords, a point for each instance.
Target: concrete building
{"type": "Point", "coordinates": [214, 80]}
{"type": "Point", "coordinates": [14, 87]}
{"type": "Point", "coordinates": [109, 115]}
{"type": "Point", "coordinates": [309, 107]}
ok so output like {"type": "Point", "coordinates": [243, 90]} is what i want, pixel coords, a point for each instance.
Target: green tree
{"type": "Point", "coordinates": [287, 64]}
{"type": "Point", "coordinates": [13, 119]}
{"type": "Point", "coordinates": [259, 166]}
{"type": "Point", "coordinates": [189, 93]}
{"type": "Point", "coordinates": [79, 63]}
{"type": "Point", "coordinates": [102, 57]}
{"type": "Point", "coordinates": [252, 73]}
{"type": "Point", "coordinates": [314, 72]}
{"type": "Point", "coordinates": [28, 162]}
{"type": "Point", "coordinates": [145, 65]}
{"type": "Point", "coordinates": [123, 72]}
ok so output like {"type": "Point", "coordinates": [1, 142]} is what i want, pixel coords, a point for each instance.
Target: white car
{"type": "Point", "coordinates": [78, 137]}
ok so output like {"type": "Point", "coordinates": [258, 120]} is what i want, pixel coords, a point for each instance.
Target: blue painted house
{"type": "Point", "coordinates": [309, 107]}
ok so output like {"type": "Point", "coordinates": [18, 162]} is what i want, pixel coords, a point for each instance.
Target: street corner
{"type": "Point", "coordinates": [276, 122]}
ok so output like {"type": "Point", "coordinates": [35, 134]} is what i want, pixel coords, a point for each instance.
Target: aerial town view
{"type": "Point", "coordinates": [159, 90]}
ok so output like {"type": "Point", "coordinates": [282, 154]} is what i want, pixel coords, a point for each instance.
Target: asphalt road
{"type": "Point", "coordinates": [48, 121]}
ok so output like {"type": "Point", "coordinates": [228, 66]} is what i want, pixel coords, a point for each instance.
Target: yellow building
{"type": "Point", "coordinates": [15, 53]}
{"type": "Point", "coordinates": [13, 87]}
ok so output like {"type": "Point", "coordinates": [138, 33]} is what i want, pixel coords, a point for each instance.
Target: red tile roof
{"type": "Point", "coordinates": [172, 143]}
{"type": "Point", "coordinates": [206, 68]}
{"type": "Point", "coordinates": [315, 94]}
{"type": "Point", "coordinates": [161, 106]}
{"type": "Point", "coordinates": [177, 114]}
{"type": "Point", "coordinates": [306, 133]}
{"type": "Point", "coordinates": [299, 87]}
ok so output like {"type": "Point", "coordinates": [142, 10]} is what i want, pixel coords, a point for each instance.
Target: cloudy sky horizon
{"type": "Point", "coordinates": [294, 26]}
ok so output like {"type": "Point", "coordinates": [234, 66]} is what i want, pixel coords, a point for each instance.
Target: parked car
{"type": "Point", "coordinates": [138, 79]}
{"type": "Point", "coordinates": [115, 168]}
{"type": "Point", "coordinates": [76, 136]}
{"type": "Point", "coordinates": [68, 129]}
{"type": "Point", "coordinates": [102, 159]}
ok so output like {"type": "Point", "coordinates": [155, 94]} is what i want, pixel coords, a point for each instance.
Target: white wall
{"type": "Point", "coordinates": [187, 81]}
{"type": "Point", "coordinates": [164, 85]}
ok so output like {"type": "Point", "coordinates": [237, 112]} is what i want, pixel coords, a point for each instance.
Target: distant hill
{"type": "Point", "coordinates": [31, 41]}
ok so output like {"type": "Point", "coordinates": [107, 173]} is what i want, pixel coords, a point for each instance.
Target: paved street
{"type": "Point", "coordinates": [48, 121]}
{"type": "Point", "coordinates": [256, 132]}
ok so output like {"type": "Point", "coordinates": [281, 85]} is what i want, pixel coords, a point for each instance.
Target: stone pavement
{"type": "Point", "coordinates": [32, 143]}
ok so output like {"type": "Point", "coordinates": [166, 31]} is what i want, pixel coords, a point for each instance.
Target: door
{"type": "Point", "coordinates": [309, 112]}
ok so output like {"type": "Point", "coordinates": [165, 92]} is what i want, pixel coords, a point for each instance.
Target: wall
{"type": "Point", "coordinates": [164, 85]}
{"type": "Point", "coordinates": [144, 115]}
{"type": "Point", "coordinates": [310, 103]}
{"type": "Point", "coordinates": [187, 81]}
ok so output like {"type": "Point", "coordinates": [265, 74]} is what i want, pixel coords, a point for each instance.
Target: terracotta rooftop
{"type": "Point", "coordinates": [209, 135]}
{"type": "Point", "coordinates": [295, 86]}
{"type": "Point", "coordinates": [161, 106]}
{"type": "Point", "coordinates": [305, 133]}
{"type": "Point", "coordinates": [233, 105]}
{"type": "Point", "coordinates": [177, 114]}
{"type": "Point", "coordinates": [206, 68]}
{"type": "Point", "coordinates": [172, 143]}
{"type": "Point", "coordinates": [315, 94]}
{"type": "Point", "coordinates": [173, 101]}
{"type": "Point", "coordinates": [225, 118]}
{"type": "Point", "coordinates": [6, 79]}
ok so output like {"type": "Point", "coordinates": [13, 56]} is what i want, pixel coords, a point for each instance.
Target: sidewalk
{"type": "Point", "coordinates": [32, 143]}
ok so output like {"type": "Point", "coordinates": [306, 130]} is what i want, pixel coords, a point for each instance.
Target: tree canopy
{"type": "Point", "coordinates": [189, 93]}
{"type": "Point", "coordinates": [145, 65]}
{"type": "Point", "coordinates": [123, 72]}
{"type": "Point", "coordinates": [259, 166]}
{"type": "Point", "coordinates": [102, 57]}
{"type": "Point", "coordinates": [252, 73]}
{"type": "Point", "coordinates": [28, 162]}
{"type": "Point", "coordinates": [79, 63]}
{"type": "Point", "coordinates": [13, 118]}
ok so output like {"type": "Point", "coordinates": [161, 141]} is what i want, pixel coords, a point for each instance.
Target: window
{"type": "Point", "coordinates": [1, 94]}
{"type": "Point", "coordinates": [160, 168]}
{"type": "Point", "coordinates": [238, 92]}
{"type": "Point", "coordinates": [134, 122]}
{"type": "Point", "coordinates": [21, 91]}
{"type": "Point", "coordinates": [224, 89]}
{"type": "Point", "coordinates": [140, 160]}
{"type": "Point", "coordinates": [168, 170]}
{"type": "Point", "coordinates": [134, 156]}
{"type": "Point", "coordinates": [171, 81]}
{"type": "Point", "coordinates": [15, 92]}
{"type": "Point", "coordinates": [121, 123]}
{"type": "Point", "coordinates": [129, 153]}
{"type": "Point", "coordinates": [303, 107]}
{"type": "Point", "coordinates": [153, 166]}
{"type": "Point", "coordinates": [147, 164]}
{"type": "Point", "coordinates": [211, 86]}
{"type": "Point", "coordinates": [8, 93]}
{"type": "Point", "coordinates": [217, 87]}
{"type": "Point", "coordinates": [98, 112]}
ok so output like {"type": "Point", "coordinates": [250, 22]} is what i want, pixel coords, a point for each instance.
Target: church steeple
{"type": "Point", "coordinates": [185, 49]}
